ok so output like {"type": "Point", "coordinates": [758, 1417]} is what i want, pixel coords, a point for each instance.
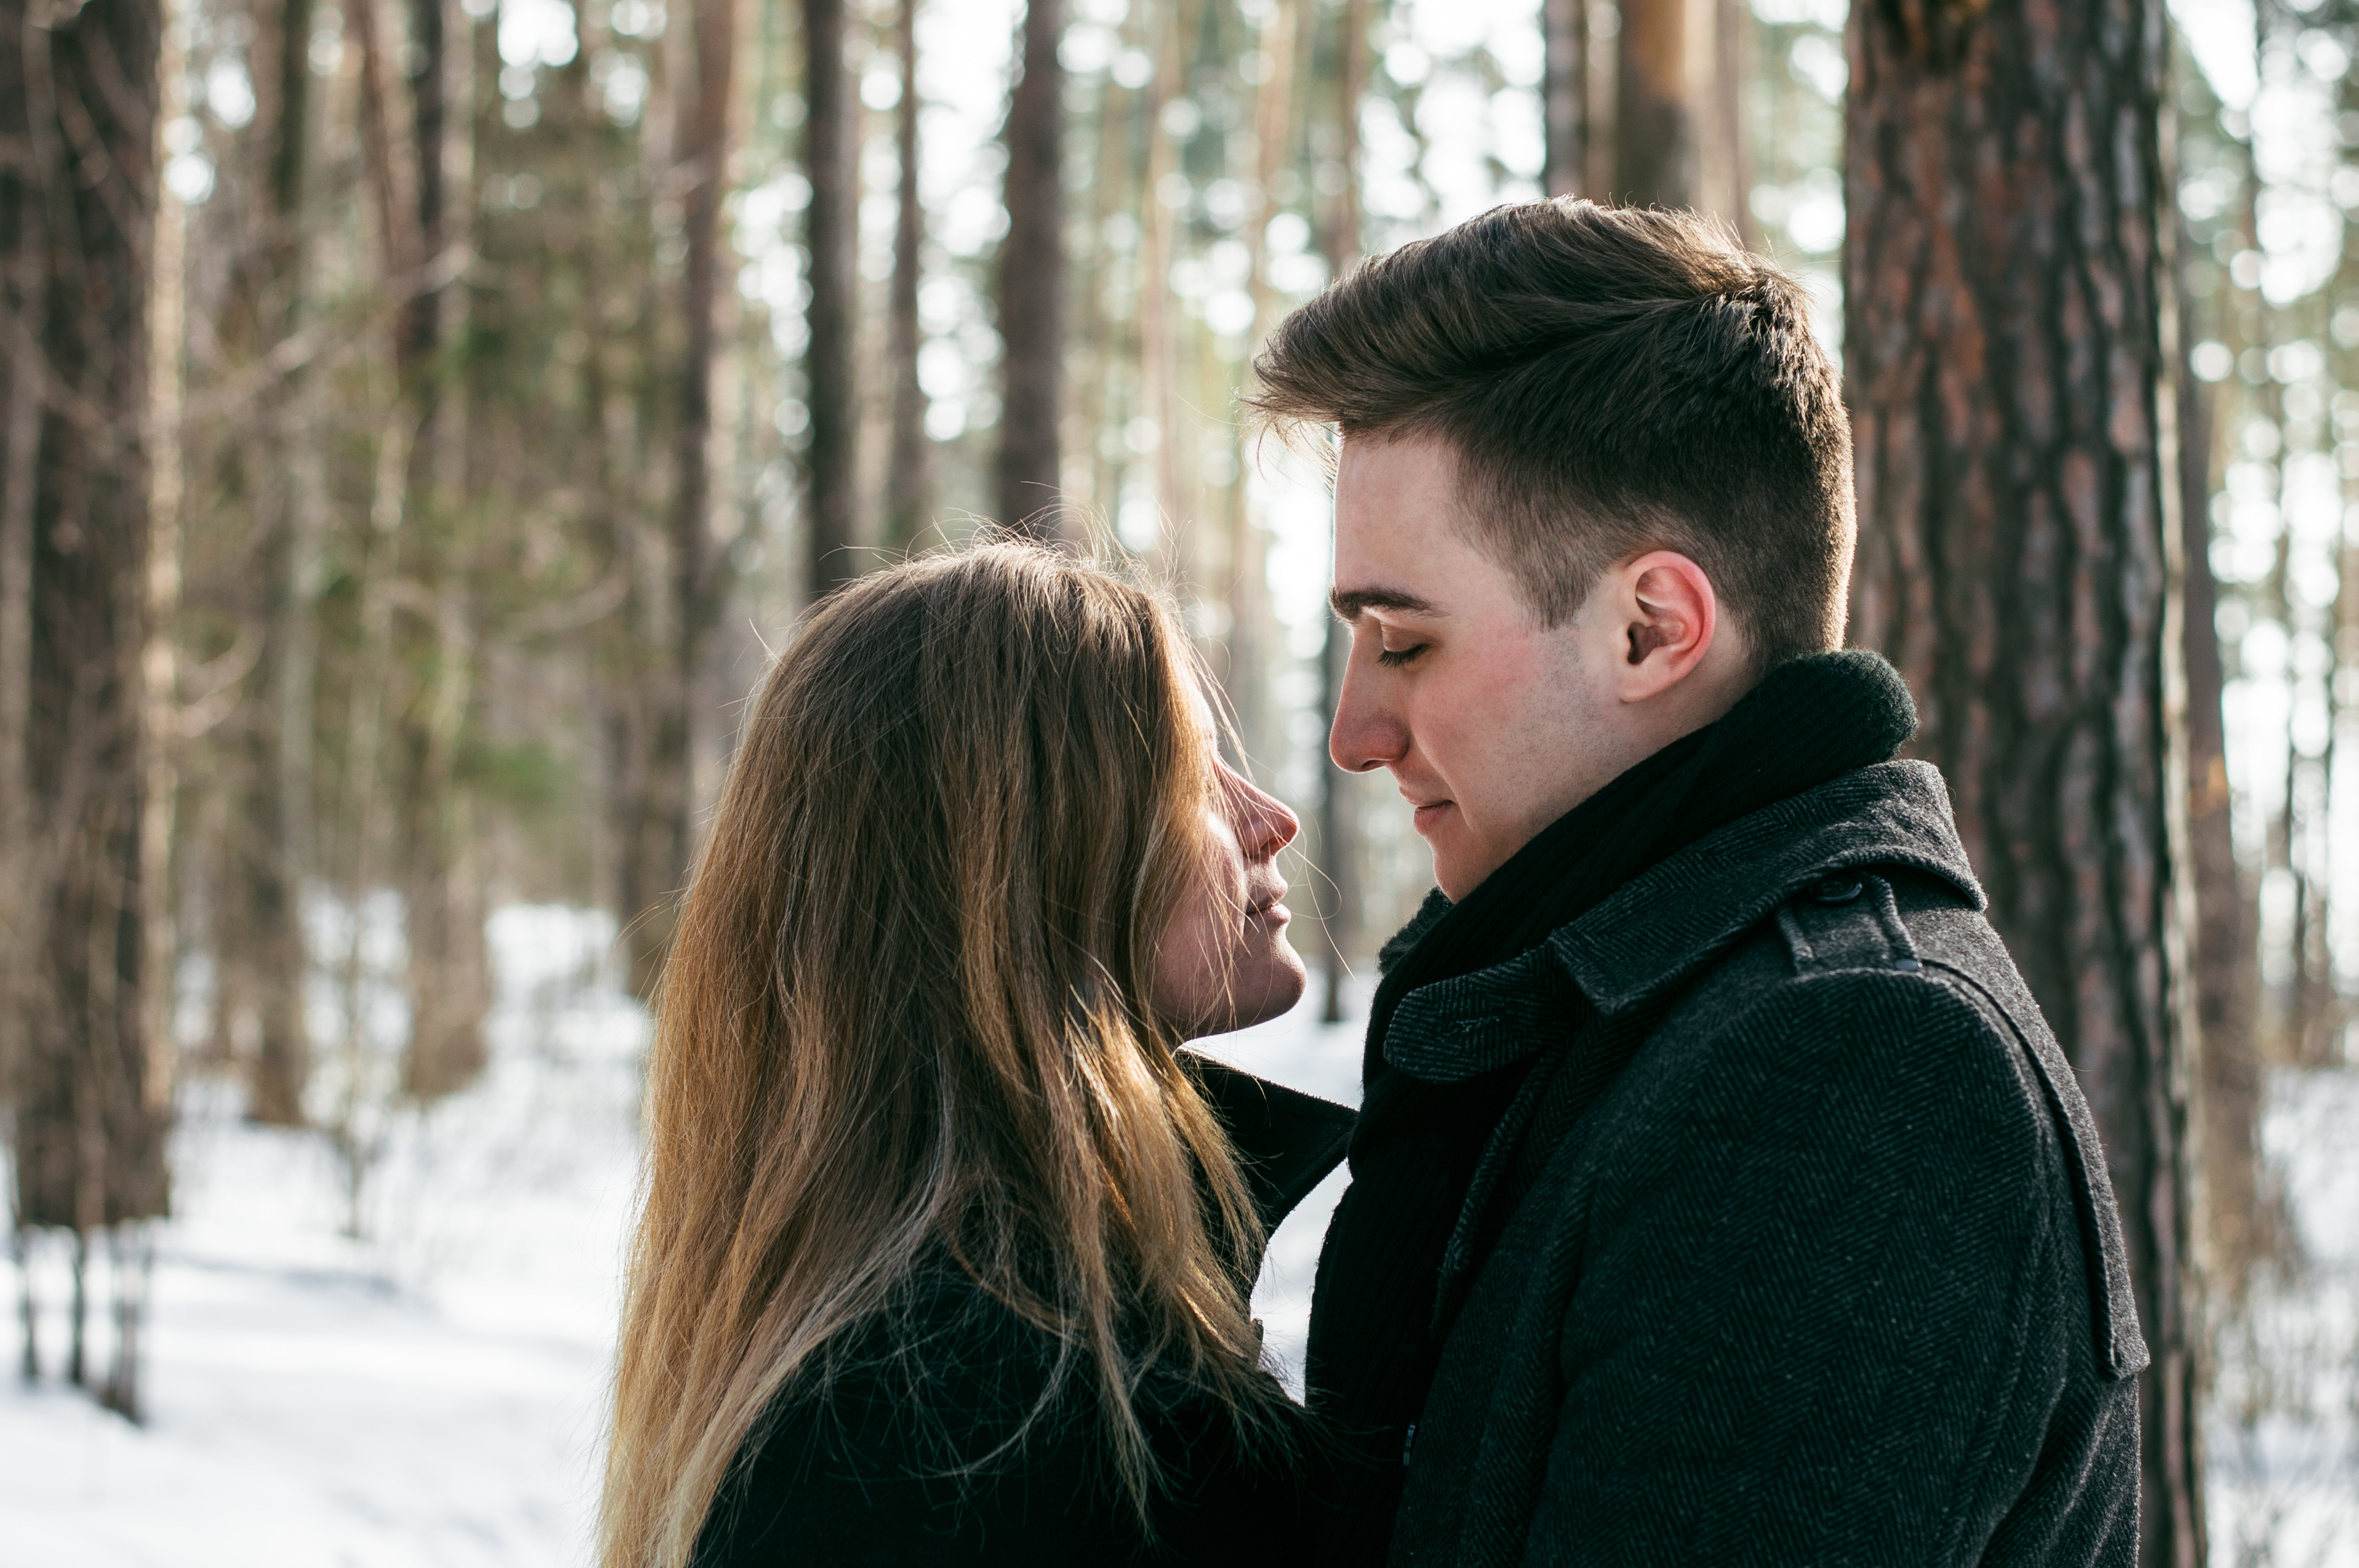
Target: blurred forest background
{"type": "Point", "coordinates": [418, 418]}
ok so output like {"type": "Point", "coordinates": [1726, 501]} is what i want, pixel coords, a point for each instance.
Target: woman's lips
{"type": "Point", "coordinates": [1266, 908]}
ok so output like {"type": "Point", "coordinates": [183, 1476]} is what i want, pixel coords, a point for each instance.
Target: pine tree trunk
{"type": "Point", "coordinates": [1338, 825]}
{"type": "Point", "coordinates": [830, 159]}
{"type": "Point", "coordinates": [1564, 96]}
{"type": "Point", "coordinates": [2222, 947]}
{"type": "Point", "coordinates": [1725, 185]}
{"type": "Point", "coordinates": [78, 100]}
{"type": "Point", "coordinates": [908, 474]}
{"type": "Point", "coordinates": [2237, 1222]}
{"type": "Point", "coordinates": [2004, 280]}
{"type": "Point", "coordinates": [449, 965]}
{"type": "Point", "coordinates": [658, 850]}
{"type": "Point", "coordinates": [1655, 132]}
{"type": "Point", "coordinates": [1032, 284]}
{"type": "Point", "coordinates": [261, 955]}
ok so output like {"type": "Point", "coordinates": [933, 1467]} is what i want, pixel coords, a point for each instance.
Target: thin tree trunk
{"type": "Point", "coordinates": [1564, 96]}
{"type": "Point", "coordinates": [831, 160]}
{"type": "Point", "coordinates": [1339, 836]}
{"type": "Point", "coordinates": [1655, 130]}
{"type": "Point", "coordinates": [1727, 181]}
{"type": "Point", "coordinates": [1161, 29]}
{"type": "Point", "coordinates": [450, 967]}
{"type": "Point", "coordinates": [159, 665]}
{"type": "Point", "coordinates": [2223, 946]}
{"type": "Point", "coordinates": [908, 475]}
{"type": "Point", "coordinates": [132, 1274]}
{"type": "Point", "coordinates": [2005, 281]}
{"type": "Point", "coordinates": [691, 590]}
{"type": "Point", "coordinates": [77, 1313]}
{"type": "Point", "coordinates": [28, 1365]}
{"type": "Point", "coordinates": [1032, 284]}
{"type": "Point", "coordinates": [1253, 632]}
{"type": "Point", "coordinates": [262, 959]}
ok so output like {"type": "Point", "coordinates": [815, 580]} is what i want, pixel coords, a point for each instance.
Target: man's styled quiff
{"type": "Point", "coordinates": [1614, 381]}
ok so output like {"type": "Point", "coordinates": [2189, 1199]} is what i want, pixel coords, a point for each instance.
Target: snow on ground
{"type": "Point", "coordinates": [431, 1396]}
{"type": "Point", "coordinates": [2283, 1429]}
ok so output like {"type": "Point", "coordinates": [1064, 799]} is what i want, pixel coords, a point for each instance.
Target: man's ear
{"type": "Point", "coordinates": [1671, 615]}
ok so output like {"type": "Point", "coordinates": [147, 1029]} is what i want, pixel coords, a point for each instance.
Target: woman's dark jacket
{"type": "Point", "coordinates": [918, 1452]}
{"type": "Point", "coordinates": [1794, 1244]}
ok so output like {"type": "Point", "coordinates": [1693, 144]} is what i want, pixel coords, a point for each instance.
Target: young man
{"type": "Point", "coordinates": [1719, 1196]}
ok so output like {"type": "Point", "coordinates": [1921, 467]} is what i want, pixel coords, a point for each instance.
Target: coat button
{"type": "Point", "coordinates": [1837, 890]}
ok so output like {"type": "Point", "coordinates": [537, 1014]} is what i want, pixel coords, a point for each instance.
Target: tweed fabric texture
{"type": "Point", "coordinates": [1796, 1247]}
{"type": "Point", "coordinates": [1431, 1104]}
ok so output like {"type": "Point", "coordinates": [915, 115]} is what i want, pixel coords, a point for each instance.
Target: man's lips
{"type": "Point", "coordinates": [1429, 813]}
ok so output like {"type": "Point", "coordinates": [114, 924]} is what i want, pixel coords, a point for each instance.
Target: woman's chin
{"type": "Point", "coordinates": [1277, 983]}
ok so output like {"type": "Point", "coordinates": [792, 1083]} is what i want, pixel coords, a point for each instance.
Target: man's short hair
{"type": "Point", "coordinates": [1614, 379]}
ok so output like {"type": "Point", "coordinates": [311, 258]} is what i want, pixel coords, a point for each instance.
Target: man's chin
{"type": "Point", "coordinates": [1449, 857]}
{"type": "Point", "coordinates": [1459, 868]}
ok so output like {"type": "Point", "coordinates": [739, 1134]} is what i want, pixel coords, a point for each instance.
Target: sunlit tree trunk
{"type": "Point", "coordinates": [1655, 129]}
{"type": "Point", "coordinates": [908, 475]}
{"type": "Point", "coordinates": [2222, 945]}
{"type": "Point", "coordinates": [1564, 96]}
{"type": "Point", "coordinates": [2006, 278]}
{"type": "Point", "coordinates": [90, 1087]}
{"type": "Point", "coordinates": [1725, 182]}
{"type": "Point", "coordinates": [132, 1248]}
{"type": "Point", "coordinates": [260, 953]}
{"type": "Point", "coordinates": [1255, 641]}
{"type": "Point", "coordinates": [1032, 283]}
{"type": "Point", "coordinates": [1339, 827]}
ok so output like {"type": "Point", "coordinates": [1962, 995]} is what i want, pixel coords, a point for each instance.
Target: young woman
{"type": "Point", "coordinates": [946, 1246]}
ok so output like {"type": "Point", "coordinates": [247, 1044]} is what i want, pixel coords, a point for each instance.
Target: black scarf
{"type": "Point", "coordinates": [1417, 1144]}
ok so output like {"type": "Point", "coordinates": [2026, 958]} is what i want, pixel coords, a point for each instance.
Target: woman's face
{"type": "Point", "coordinates": [1225, 963]}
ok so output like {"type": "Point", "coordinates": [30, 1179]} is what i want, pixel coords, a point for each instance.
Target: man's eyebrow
{"type": "Point", "coordinates": [1348, 605]}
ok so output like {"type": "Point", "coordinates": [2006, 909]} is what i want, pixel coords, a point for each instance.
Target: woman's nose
{"type": "Point", "coordinates": [1264, 825]}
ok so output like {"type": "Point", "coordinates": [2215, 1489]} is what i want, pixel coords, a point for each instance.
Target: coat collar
{"type": "Point", "coordinates": [1286, 1140]}
{"type": "Point", "coordinates": [1671, 920]}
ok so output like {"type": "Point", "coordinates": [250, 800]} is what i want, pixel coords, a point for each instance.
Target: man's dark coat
{"type": "Point", "coordinates": [1796, 1245]}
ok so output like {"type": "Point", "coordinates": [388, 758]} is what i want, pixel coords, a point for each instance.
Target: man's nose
{"type": "Point", "coordinates": [1366, 733]}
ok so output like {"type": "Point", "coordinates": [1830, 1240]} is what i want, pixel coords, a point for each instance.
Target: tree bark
{"type": "Point", "coordinates": [1726, 183]}
{"type": "Point", "coordinates": [2238, 1221]}
{"type": "Point", "coordinates": [79, 101]}
{"type": "Point", "coordinates": [1655, 150]}
{"type": "Point", "coordinates": [2004, 280]}
{"type": "Point", "coordinates": [830, 157]}
{"type": "Point", "coordinates": [1563, 95]}
{"type": "Point", "coordinates": [450, 978]}
{"type": "Point", "coordinates": [1032, 284]}
{"type": "Point", "coordinates": [664, 835]}
{"type": "Point", "coordinates": [908, 476]}
{"type": "Point", "coordinates": [261, 955]}
{"type": "Point", "coordinates": [1338, 825]}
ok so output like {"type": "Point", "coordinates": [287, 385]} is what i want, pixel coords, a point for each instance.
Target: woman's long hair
{"type": "Point", "coordinates": [902, 1018]}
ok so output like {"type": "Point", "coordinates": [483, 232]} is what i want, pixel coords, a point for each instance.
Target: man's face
{"type": "Point", "coordinates": [1491, 725]}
